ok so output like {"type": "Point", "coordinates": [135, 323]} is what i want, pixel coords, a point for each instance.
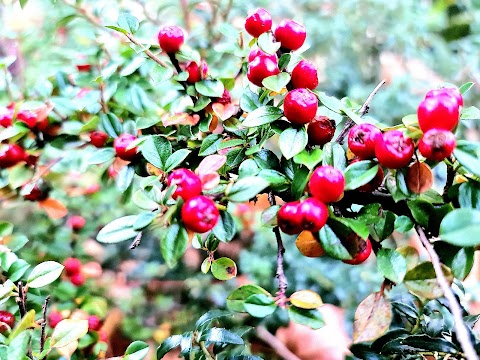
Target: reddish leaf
{"type": "Point", "coordinates": [54, 208]}
{"type": "Point", "coordinates": [181, 119]}
{"type": "Point", "coordinates": [419, 177]}
{"type": "Point", "coordinates": [207, 170]}
{"type": "Point", "coordinates": [226, 111]}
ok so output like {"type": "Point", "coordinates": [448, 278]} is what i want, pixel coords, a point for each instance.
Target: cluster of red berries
{"type": "Point", "coordinates": [29, 118]}
{"type": "Point", "coordinates": [73, 269]}
{"type": "Point", "coordinates": [54, 317]}
{"type": "Point", "coordinates": [199, 213]}
{"type": "Point", "coordinates": [7, 321]}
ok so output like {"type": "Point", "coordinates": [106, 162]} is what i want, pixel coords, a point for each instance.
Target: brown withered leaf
{"type": "Point", "coordinates": [419, 177]}
{"type": "Point", "coordinates": [372, 318]}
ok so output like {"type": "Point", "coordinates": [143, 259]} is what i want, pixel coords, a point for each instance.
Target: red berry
{"type": "Point", "coordinates": [394, 150]}
{"type": "Point", "coordinates": [258, 22]}
{"type": "Point", "coordinates": [121, 145]}
{"type": "Point", "coordinates": [260, 68]}
{"type": "Point", "coordinates": [362, 139]}
{"type": "Point", "coordinates": [54, 318]}
{"type": "Point", "coordinates": [84, 67]}
{"type": "Point", "coordinates": [289, 219]}
{"type": "Point", "coordinates": [320, 130]}
{"type": "Point", "coordinates": [72, 266]}
{"type": "Point", "coordinates": [437, 144]}
{"type": "Point", "coordinates": [11, 154]}
{"type": "Point", "coordinates": [76, 222]}
{"type": "Point", "coordinates": [327, 184]}
{"type": "Point", "coordinates": [300, 106]}
{"type": "Point", "coordinates": [439, 112]}
{"type": "Point", "coordinates": [6, 117]}
{"type": "Point", "coordinates": [304, 75]}
{"type": "Point", "coordinates": [170, 39]}
{"type": "Point", "coordinates": [35, 191]}
{"type": "Point", "coordinates": [7, 318]}
{"type": "Point", "coordinates": [314, 214]}
{"type": "Point", "coordinates": [290, 34]}
{"type": "Point", "coordinates": [102, 336]}
{"type": "Point", "coordinates": [373, 184]}
{"type": "Point", "coordinates": [257, 52]}
{"type": "Point", "coordinates": [94, 323]}
{"type": "Point", "coordinates": [77, 279]}
{"type": "Point", "coordinates": [98, 139]}
{"type": "Point", "coordinates": [196, 73]}
{"type": "Point", "coordinates": [27, 117]}
{"type": "Point", "coordinates": [188, 183]}
{"type": "Point", "coordinates": [448, 91]}
{"type": "Point", "coordinates": [364, 249]}
{"type": "Point", "coordinates": [199, 214]}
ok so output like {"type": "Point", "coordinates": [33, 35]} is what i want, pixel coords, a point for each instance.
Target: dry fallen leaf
{"type": "Point", "coordinates": [372, 318]}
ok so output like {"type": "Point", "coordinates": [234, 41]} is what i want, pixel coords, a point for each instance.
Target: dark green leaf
{"type": "Point", "coordinates": [334, 155]}
{"type": "Point", "coordinates": [168, 344]}
{"type": "Point", "coordinates": [225, 229]}
{"type": "Point", "coordinates": [249, 101]}
{"type": "Point", "coordinates": [310, 318]}
{"type": "Point", "coordinates": [359, 173]}
{"type": "Point", "coordinates": [299, 182]}
{"type": "Point", "coordinates": [224, 336]}
{"type": "Point", "coordinates": [236, 299]}
{"type": "Point", "coordinates": [247, 188]}
{"type": "Point", "coordinates": [461, 227]}
{"type": "Point", "coordinates": [156, 150]}
{"type": "Point", "coordinates": [276, 82]}
{"type": "Point", "coordinates": [292, 141]}
{"type": "Point", "coordinates": [427, 343]}
{"type": "Point", "coordinates": [176, 159]}
{"type": "Point", "coordinates": [260, 305]}
{"type": "Point", "coordinates": [137, 350]}
{"type": "Point", "coordinates": [112, 125]}
{"type": "Point", "coordinates": [332, 244]}
{"type": "Point", "coordinates": [263, 115]}
{"type": "Point", "coordinates": [210, 144]}
{"type": "Point", "coordinates": [209, 316]}
{"type": "Point", "coordinates": [174, 244]}
{"type": "Point", "coordinates": [357, 226]}
{"type": "Point", "coordinates": [277, 180]}
{"type": "Point", "coordinates": [403, 224]}
{"type": "Point", "coordinates": [118, 230]}
{"type": "Point", "coordinates": [392, 265]}
{"type": "Point", "coordinates": [421, 211]}
{"type": "Point", "coordinates": [469, 195]}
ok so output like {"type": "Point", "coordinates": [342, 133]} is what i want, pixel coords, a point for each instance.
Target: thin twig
{"type": "Point", "coordinates": [21, 299]}
{"type": "Point", "coordinates": [363, 110]}
{"type": "Point", "coordinates": [462, 334]}
{"type": "Point", "coordinates": [147, 52]}
{"type": "Point", "coordinates": [279, 347]}
{"type": "Point", "coordinates": [280, 274]}
{"type": "Point", "coordinates": [43, 335]}
{"type": "Point", "coordinates": [136, 241]}
{"type": "Point", "coordinates": [205, 351]}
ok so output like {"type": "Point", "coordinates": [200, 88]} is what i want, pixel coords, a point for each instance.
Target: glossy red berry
{"type": "Point", "coordinates": [364, 249]}
{"type": "Point", "coordinates": [300, 106]}
{"type": "Point", "coordinates": [448, 91]}
{"type": "Point", "coordinates": [394, 150]}
{"type": "Point", "coordinates": [200, 214]}
{"type": "Point", "coordinates": [6, 117]}
{"type": "Point", "coordinates": [327, 184]}
{"type": "Point", "coordinates": [196, 72]}
{"type": "Point", "coordinates": [188, 183]}
{"type": "Point", "coordinates": [362, 139]}
{"type": "Point", "coordinates": [321, 130]}
{"type": "Point", "coordinates": [98, 139]}
{"type": "Point", "coordinates": [27, 117]}
{"type": "Point", "coordinates": [258, 22]}
{"type": "Point", "coordinates": [121, 145]}
{"type": "Point", "coordinates": [11, 154]}
{"type": "Point", "coordinates": [314, 214]}
{"type": "Point", "coordinates": [290, 34]}
{"type": "Point", "coordinates": [94, 323]}
{"type": "Point", "coordinates": [35, 191]}
{"type": "Point", "coordinates": [261, 67]}
{"type": "Point", "coordinates": [84, 67]}
{"type": "Point", "coordinates": [437, 144]}
{"type": "Point", "coordinates": [77, 279]}
{"type": "Point", "coordinates": [304, 75]}
{"type": "Point", "coordinates": [6, 318]}
{"type": "Point", "coordinates": [76, 222]}
{"type": "Point", "coordinates": [72, 266]}
{"type": "Point", "coordinates": [257, 52]}
{"type": "Point", "coordinates": [289, 219]}
{"type": "Point", "coordinates": [54, 318]}
{"type": "Point", "coordinates": [440, 112]}
{"type": "Point", "coordinates": [170, 39]}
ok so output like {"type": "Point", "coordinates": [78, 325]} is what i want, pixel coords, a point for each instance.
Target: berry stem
{"type": "Point", "coordinates": [282, 279]}
{"type": "Point", "coordinates": [43, 335]}
{"type": "Point", "coordinates": [147, 52]}
{"type": "Point", "coordinates": [363, 110]}
{"type": "Point", "coordinates": [460, 328]}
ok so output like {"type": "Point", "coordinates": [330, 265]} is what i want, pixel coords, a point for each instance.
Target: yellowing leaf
{"type": "Point", "coordinates": [372, 318]}
{"type": "Point", "coordinates": [67, 331]}
{"type": "Point", "coordinates": [306, 299]}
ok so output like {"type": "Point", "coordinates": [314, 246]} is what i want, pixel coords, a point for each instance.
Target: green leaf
{"type": "Point", "coordinates": [284, 61]}
{"type": "Point", "coordinates": [168, 344]}
{"type": "Point", "coordinates": [68, 330]}
{"type": "Point", "coordinates": [118, 230]}
{"type": "Point", "coordinates": [116, 28]}
{"type": "Point", "coordinates": [6, 228]}
{"type": "Point", "coordinates": [391, 264]}
{"type": "Point", "coordinates": [276, 82]}
{"type": "Point", "coordinates": [247, 188]}
{"type": "Point", "coordinates": [225, 228]}
{"type": "Point", "coordinates": [44, 274]}
{"type": "Point", "coordinates": [468, 155]}
{"type": "Point", "coordinates": [23, 3]}
{"type": "Point", "coordinates": [308, 317]}
{"type": "Point", "coordinates": [221, 336]}
{"type": "Point", "coordinates": [137, 350]}
{"type": "Point", "coordinates": [26, 322]}
{"type": "Point", "coordinates": [470, 113]}
{"type": "Point", "coordinates": [19, 347]}
{"type": "Point", "coordinates": [112, 125]}
{"type": "Point", "coordinates": [310, 160]}
{"type": "Point", "coordinates": [210, 144]}
{"type": "Point", "coordinates": [176, 159]}
{"type": "Point", "coordinates": [330, 102]}
{"type": "Point", "coordinates": [332, 244]}
{"type": "Point", "coordinates": [143, 220]}
{"type": "Point", "coordinates": [359, 173]}
{"type": "Point", "coordinates": [421, 211]}
{"type": "Point", "coordinates": [124, 178]}
{"type": "Point", "coordinates": [357, 226]}
{"type": "Point", "coordinates": [292, 141]}
{"type": "Point", "coordinates": [101, 156]}
{"type": "Point", "coordinates": [334, 155]}
{"type": "Point", "coordinates": [269, 216]}
{"type": "Point", "coordinates": [209, 316]}
{"type": "Point", "coordinates": [160, 74]}
{"type": "Point", "coordinates": [266, 43]}
{"type": "Point", "coordinates": [128, 22]}
{"type": "Point", "coordinates": [427, 343]}
{"type": "Point", "coordinates": [403, 224]}
{"type": "Point", "coordinates": [156, 150]}
{"type": "Point", "coordinates": [224, 269]}
{"type": "Point", "coordinates": [299, 182]}
{"type": "Point", "coordinates": [210, 88]}
{"type": "Point", "coordinates": [260, 305]}
{"type": "Point", "coordinates": [236, 299]}
{"type": "Point", "coordinates": [174, 244]}
{"type": "Point", "coordinates": [249, 101]}
{"type": "Point", "coordinates": [461, 227]}
{"type": "Point", "coordinates": [263, 115]}
{"type": "Point", "coordinates": [465, 87]}
{"type": "Point", "coordinates": [469, 195]}
{"type": "Point", "coordinates": [422, 280]}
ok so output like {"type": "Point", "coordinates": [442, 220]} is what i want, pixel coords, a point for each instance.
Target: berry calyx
{"type": "Point", "coordinates": [362, 139]}
{"type": "Point", "coordinates": [321, 130]}
{"type": "Point", "coordinates": [11, 154]}
{"type": "Point", "coordinates": [188, 183]}
{"type": "Point", "coordinates": [363, 247]}
{"type": "Point", "coordinates": [261, 67]}
{"type": "Point", "coordinates": [394, 150]}
{"type": "Point", "coordinates": [94, 323]}
{"type": "Point", "coordinates": [257, 52]}
{"type": "Point", "coordinates": [6, 319]}
{"type": "Point", "coordinates": [258, 22]}
{"type": "Point", "coordinates": [441, 112]}
{"type": "Point", "coordinates": [121, 145]}
{"type": "Point", "coordinates": [77, 279]}
{"type": "Point", "coordinates": [289, 219]}
{"type": "Point", "coordinates": [437, 144]}
{"type": "Point", "coordinates": [304, 75]}
{"type": "Point", "coordinates": [98, 139]}
{"type": "Point", "coordinates": [300, 106]}
{"type": "Point", "coordinates": [170, 39]}
{"type": "Point", "coordinates": [72, 266]}
{"type": "Point", "coordinates": [200, 214]}
{"type": "Point", "coordinates": [448, 91]}
{"type": "Point", "coordinates": [290, 34]}
{"type": "Point", "coordinates": [196, 72]}
{"type": "Point", "coordinates": [327, 184]}
{"type": "Point", "coordinates": [54, 318]}
{"type": "Point", "coordinates": [76, 222]}
{"type": "Point", "coordinates": [314, 214]}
